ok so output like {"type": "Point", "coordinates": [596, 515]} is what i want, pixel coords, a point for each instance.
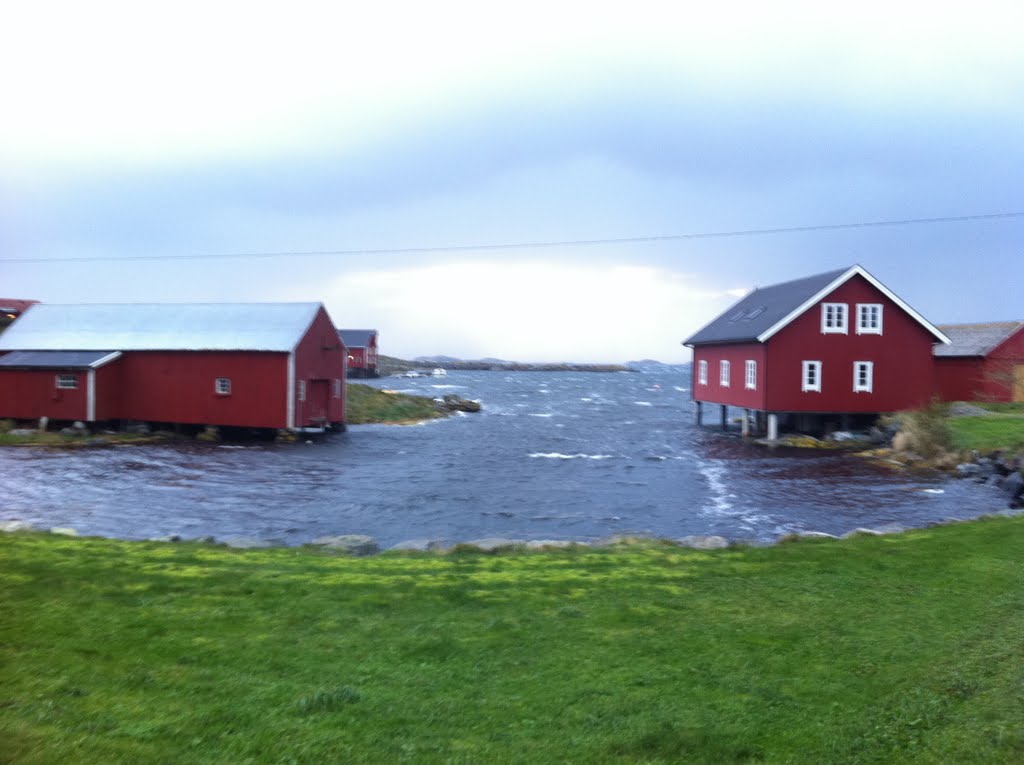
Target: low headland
{"type": "Point", "coordinates": [873, 649]}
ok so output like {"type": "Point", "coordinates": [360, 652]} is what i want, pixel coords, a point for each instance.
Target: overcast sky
{"type": "Point", "coordinates": [216, 128]}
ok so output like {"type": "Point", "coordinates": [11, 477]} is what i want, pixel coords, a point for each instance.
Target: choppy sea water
{"type": "Point", "coordinates": [551, 456]}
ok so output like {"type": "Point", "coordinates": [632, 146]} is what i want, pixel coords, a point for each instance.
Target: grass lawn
{"type": "Point", "coordinates": [906, 648]}
{"type": "Point", "coordinates": [1003, 429]}
{"type": "Point", "coordinates": [366, 404]}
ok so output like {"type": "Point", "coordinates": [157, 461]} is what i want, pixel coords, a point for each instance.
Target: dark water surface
{"type": "Point", "coordinates": [552, 456]}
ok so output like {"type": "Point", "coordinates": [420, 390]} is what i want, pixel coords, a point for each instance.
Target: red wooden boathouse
{"type": "Point", "coordinates": [276, 365]}
{"type": "Point", "coordinates": [818, 350]}
{"type": "Point", "coordinates": [362, 352]}
{"type": "Point", "coordinates": [983, 362]}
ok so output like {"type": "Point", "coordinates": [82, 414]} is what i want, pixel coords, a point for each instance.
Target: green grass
{"type": "Point", "coordinates": [366, 404]}
{"type": "Point", "coordinates": [1000, 430]}
{"type": "Point", "coordinates": [1003, 407]}
{"type": "Point", "coordinates": [890, 649]}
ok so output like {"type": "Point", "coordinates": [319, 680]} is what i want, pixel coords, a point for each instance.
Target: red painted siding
{"type": "Point", "coordinates": [319, 363]}
{"type": "Point", "coordinates": [981, 379]}
{"type": "Point", "coordinates": [357, 358]}
{"type": "Point", "coordinates": [736, 394]}
{"type": "Point", "coordinates": [902, 358]}
{"type": "Point", "coordinates": [108, 390]}
{"type": "Point", "coordinates": [27, 394]}
{"type": "Point", "coordinates": [178, 386]}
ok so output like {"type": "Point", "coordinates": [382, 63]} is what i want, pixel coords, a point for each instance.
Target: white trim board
{"type": "Point", "coordinates": [841, 280]}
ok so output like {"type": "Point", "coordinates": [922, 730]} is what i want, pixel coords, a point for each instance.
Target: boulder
{"type": "Point", "coordinates": [458, 404]}
{"type": "Point", "coordinates": [544, 544]}
{"type": "Point", "coordinates": [246, 543]}
{"type": "Point", "coordinates": [490, 544]}
{"type": "Point", "coordinates": [64, 531]}
{"type": "Point", "coordinates": [1013, 485]}
{"type": "Point", "coordinates": [21, 432]}
{"type": "Point", "coordinates": [968, 470]}
{"type": "Point", "coordinates": [885, 528]}
{"type": "Point", "coordinates": [352, 544]}
{"type": "Point", "coordinates": [14, 526]}
{"type": "Point", "coordinates": [877, 437]}
{"type": "Point", "coordinates": [703, 542]}
{"type": "Point", "coordinates": [815, 535]}
{"type": "Point", "coordinates": [421, 545]}
{"type": "Point", "coordinates": [168, 538]}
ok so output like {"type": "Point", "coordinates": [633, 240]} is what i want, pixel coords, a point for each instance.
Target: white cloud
{"type": "Point", "coordinates": [531, 311]}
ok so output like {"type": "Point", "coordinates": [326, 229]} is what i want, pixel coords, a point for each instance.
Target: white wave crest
{"type": "Point", "coordinates": [560, 456]}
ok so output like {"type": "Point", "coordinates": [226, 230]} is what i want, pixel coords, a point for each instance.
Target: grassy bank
{"type": "Point", "coordinates": [1002, 429]}
{"type": "Point", "coordinates": [872, 650]}
{"type": "Point", "coordinates": [366, 404]}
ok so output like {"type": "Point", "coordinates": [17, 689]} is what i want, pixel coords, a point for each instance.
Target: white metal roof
{"type": "Point", "coordinates": [161, 327]}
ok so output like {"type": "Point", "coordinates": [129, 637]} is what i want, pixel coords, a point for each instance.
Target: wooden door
{"type": "Point", "coordinates": [1018, 382]}
{"type": "Point", "coordinates": [318, 399]}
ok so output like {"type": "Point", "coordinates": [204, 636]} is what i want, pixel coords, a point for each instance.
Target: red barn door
{"type": "Point", "coordinates": [316, 406]}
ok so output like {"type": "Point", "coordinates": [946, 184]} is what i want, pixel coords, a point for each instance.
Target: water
{"type": "Point", "coordinates": [552, 456]}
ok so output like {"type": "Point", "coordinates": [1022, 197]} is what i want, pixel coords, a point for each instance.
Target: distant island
{"type": "Point", "coordinates": [390, 365]}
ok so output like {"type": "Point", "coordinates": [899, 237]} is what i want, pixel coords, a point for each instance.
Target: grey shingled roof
{"type": "Point", "coordinates": [356, 338]}
{"type": "Point", "coordinates": [762, 309]}
{"type": "Point", "coordinates": [53, 359]}
{"type": "Point", "coordinates": [975, 339]}
{"type": "Point", "coordinates": [161, 327]}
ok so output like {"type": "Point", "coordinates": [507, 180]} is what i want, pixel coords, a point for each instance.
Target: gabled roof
{"type": "Point", "coordinates": [14, 305]}
{"type": "Point", "coordinates": [767, 310]}
{"type": "Point", "coordinates": [161, 327]}
{"type": "Point", "coordinates": [58, 359]}
{"type": "Point", "coordinates": [976, 339]}
{"type": "Point", "coordinates": [357, 338]}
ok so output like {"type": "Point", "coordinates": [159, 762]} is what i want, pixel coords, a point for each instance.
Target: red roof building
{"type": "Point", "coordinates": [983, 362]}
{"type": "Point", "coordinates": [12, 308]}
{"type": "Point", "coordinates": [824, 348]}
{"type": "Point", "coordinates": [279, 365]}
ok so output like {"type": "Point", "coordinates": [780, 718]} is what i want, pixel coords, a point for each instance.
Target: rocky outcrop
{"type": "Point", "coordinates": [703, 542]}
{"type": "Point", "coordinates": [351, 544]}
{"type": "Point", "coordinates": [452, 403]}
{"type": "Point", "coordinates": [246, 543]}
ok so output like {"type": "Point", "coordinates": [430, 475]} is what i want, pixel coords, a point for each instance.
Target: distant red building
{"type": "Point", "coordinates": [278, 365]}
{"type": "Point", "coordinates": [983, 362]}
{"type": "Point", "coordinates": [362, 352]}
{"type": "Point", "coordinates": [12, 308]}
{"type": "Point", "coordinates": [824, 348]}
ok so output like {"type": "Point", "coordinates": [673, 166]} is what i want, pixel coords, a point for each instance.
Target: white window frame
{"type": "Point", "coordinates": [839, 319]}
{"type": "Point", "coordinates": [864, 311]}
{"type": "Point", "coordinates": [751, 376]}
{"type": "Point", "coordinates": [337, 387]}
{"type": "Point", "coordinates": [724, 373]}
{"type": "Point", "coordinates": [868, 386]}
{"type": "Point", "coordinates": [702, 372]}
{"type": "Point", "coordinates": [66, 382]}
{"type": "Point", "coordinates": [222, 386]}
{"type": "Point", "coordinates": [302, 390]}
{"type": "Point", "coordinates": [815, 386]}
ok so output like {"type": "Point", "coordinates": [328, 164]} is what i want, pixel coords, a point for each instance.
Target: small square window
{"type": "Point", "coordinates": [833, 318]}
{"type": "Point", "coordinates": [863, 376]}
{"type": "Point", "coordinates": [811, 376]}
{"type": "Point", "coordinates": [67, 382]}
{"type": "Point", "coordinates": [222, 386]}
{"type": "Point", "coordinates": [869, 318]}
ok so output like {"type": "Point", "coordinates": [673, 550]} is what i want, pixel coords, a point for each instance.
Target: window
{"type": "Point", "coordinates": [723, 368]}
{"type": "Point", "coordinates": [812, 376]}
{"type": "Point", "coordinates": [222, 385]}
{"type": "Point", "coordinates": [67, 382]}
{"type": "Point", "coordinates": [302, 390]}
{"type": "Point", "coordinates": [702, 373]}
{"type": "Point", "coordinates": [833, 318]}
{"type": "Point", "coordinates": [337, 388]}
{"type": "Point", "coordinates": [869, 318]}
{"type": "Point", "coordinates": [863, 376]}
{"type": "Point", "coordinates": [751, 382]}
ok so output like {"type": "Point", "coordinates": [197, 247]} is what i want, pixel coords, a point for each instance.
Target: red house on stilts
{"type": "Point", "coordinates": [818, 352]}
{"type": "Point", "coordinates": [273, 365]}
{"type": "Point", "coordinates": [362, 352]}
{"type": "Point", "coordinates": [983, 362]}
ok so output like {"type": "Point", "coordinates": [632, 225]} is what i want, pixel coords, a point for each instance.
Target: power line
{"type": "Point", "coordinates": [531, 245]}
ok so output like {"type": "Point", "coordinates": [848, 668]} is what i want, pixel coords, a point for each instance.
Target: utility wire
{"type": "Point", "coordinates": [531, 245]}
